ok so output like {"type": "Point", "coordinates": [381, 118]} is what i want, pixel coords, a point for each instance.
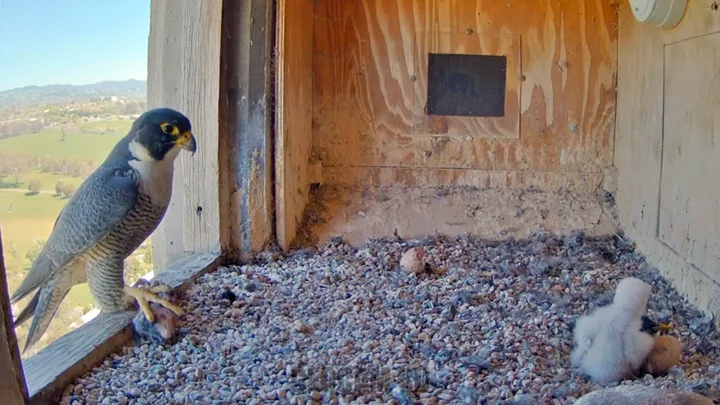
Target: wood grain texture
{"type": "Point", "coordinates": [246, 188]}
{"type": "Point", "coordinates": [644, 123]}
{"type": "Point", "coordinates": [12, 378]}
{"type": "Point", "coordinates": [294, 106]}
{"type": "Point", "coordinates": [184, 73]}
{"type": "Point", "coordinates": [689, 219]}
{"type": "Point", "coordinates": [50, 370]}
{"type": "Point", "coordinates": [366, 52]}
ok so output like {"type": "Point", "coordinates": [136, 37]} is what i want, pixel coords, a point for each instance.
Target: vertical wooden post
{"type": "Point", "coordinates": [167, 240]}
{"type": "Point", "coordinates": [13, 389]}
{"type": "Point", "coordinates": [246, 188]}
{"type": "Point", "coordinates": [183, 73]}
{"type": "Point", "coordinates": [294, 109]}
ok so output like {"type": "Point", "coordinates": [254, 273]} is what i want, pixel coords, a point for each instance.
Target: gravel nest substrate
{"type": "Point", "coordinates": [341, 324]}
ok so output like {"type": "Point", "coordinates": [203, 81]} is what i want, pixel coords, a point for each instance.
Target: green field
{"type": "Point", "coordinates": [47, 181]}
{"type": "Point", "coordinates": [93, 144]}
{"type": "Point", "coordinates": [26, 219]}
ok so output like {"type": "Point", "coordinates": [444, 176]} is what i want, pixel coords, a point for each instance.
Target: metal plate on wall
{"type": "Point", "coordinates": [466, 85]}
{"type": "Point", "coordinates": [471, 88]}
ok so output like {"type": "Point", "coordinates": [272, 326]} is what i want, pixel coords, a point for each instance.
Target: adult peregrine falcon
{"type": "Point", "coordinates": [112, 212]}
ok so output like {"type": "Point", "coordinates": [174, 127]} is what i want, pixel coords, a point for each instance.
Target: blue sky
{"type": "Point", "coordinates": [72, 41]}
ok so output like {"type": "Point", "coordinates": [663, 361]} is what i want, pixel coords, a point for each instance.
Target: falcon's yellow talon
{"type": "Point", "coordinates": [144, 296]}
{"type": "Point", "coordinates": [145, 307]}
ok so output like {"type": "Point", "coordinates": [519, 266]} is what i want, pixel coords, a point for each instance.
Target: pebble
{"type": "Point", "coordinates": [639, 395]}
{"type": "Point", "coordinates": [345, 324]}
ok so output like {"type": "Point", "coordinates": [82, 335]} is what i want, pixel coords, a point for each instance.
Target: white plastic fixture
{"type": "Point", "coordinates": [661, 13]}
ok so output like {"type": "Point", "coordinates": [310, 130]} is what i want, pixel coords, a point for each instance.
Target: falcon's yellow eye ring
{"type": "Point", "coordinates": [169, 129]}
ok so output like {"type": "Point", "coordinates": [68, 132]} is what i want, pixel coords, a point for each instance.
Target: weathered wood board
{"type": "Point", "coordinates": [666, 152]}
{"type": "Point", "coordinates": [184, 73]}
{"type": "Point", "coordinates": [12, 378]}
{"type": "Point", "coordinates": [294, 114]}
{"type": "Point", "coordinates": [245, 131]}
{"type": "Point", "coordinates": [369, 84]}
{"type": "Point", "coordinates": [689, 219]}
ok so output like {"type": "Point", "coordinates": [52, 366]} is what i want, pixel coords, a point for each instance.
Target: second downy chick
{"type": "Point", "coordinates": [610, 345]}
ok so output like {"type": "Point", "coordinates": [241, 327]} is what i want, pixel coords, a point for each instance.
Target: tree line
{"type": "Point", "coordinates": [19, 121]}
{"type": "Point", "coordinates": [20, 127]}
{"type": "Point", "coordinates": [62, 189]}
{"type": "Point", "coordinates": [68, 115]}
{"type": "Point", "coordinates": [13, 165]}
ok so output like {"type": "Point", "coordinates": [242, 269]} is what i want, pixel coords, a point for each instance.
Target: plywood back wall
{"type": "Point", "coordinates": [368, 120]}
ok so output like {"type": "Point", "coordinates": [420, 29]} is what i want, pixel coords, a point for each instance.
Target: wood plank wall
{"type": "Point", "coordinates": [668, 147]}
{"type": "Point", "coordinates": [366, 109]}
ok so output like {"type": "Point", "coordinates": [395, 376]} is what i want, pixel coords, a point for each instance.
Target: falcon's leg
{"type": "Point", "coordinates": [144, 296]}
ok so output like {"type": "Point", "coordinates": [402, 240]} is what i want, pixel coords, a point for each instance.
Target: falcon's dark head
{"type": "Point", "coordinates": [160, 133]}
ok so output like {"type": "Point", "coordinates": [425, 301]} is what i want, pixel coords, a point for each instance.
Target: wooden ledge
{"type": "Point", "coordinates": [51, 369]}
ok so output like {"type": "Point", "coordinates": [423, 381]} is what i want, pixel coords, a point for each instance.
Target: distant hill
{"type": "Point", "coordinates": [64, 93]}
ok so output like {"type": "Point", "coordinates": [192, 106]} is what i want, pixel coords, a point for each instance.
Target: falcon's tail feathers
{"type": "Point", "coordinates": [49, 298]}
{"type": "Point", "coordinates": [28, 311]}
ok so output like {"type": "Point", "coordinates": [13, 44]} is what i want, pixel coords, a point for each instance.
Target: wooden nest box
{"type": "Point", "coordinates": [424, 94]}
{"type": "Point", "coordinates": [449, 115]}
{"type": "Point", "coordinates": [370, 118]}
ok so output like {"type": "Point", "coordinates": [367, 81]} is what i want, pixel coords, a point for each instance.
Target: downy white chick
{"type": "Point", "coordinates": [609, 345]}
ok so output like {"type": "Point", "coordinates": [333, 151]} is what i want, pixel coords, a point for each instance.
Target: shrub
{"type": "Point", "coordinates": [69, 190]}
{"type": "Point", "coordinates": [34, 187]}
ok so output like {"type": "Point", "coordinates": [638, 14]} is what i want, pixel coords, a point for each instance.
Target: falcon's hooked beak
{"type": "Point", "coordinates": [187, 142]}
